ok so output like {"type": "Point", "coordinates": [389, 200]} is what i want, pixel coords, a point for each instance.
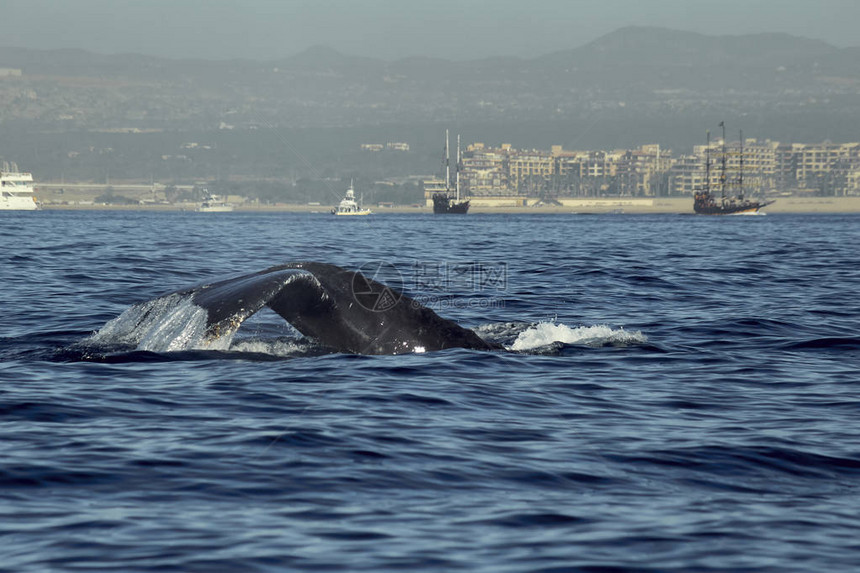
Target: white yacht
{"type": "Point", "coordinates": [348, 205]}
{"type": "Point", "coordinates": [16, 191]}
{"type": "Point", "coordinates": [214, 204]}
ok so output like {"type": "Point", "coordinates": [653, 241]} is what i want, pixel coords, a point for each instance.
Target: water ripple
{"type": "Point", "coordinates": [687, 401]}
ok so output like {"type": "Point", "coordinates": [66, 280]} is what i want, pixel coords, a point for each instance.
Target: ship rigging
{"type": "Point", "coordinates": [731, 200]}
{"type": "Point", "coordinates": [446, 197]}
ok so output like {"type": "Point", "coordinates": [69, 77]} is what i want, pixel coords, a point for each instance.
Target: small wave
{"type": "Point", "coordinates": [533, 519]}
{"type": "Point", "coordinates": [548, 333]}
{"type": "Point", "coordinates": [248, 349]}
{"type": "Point", "coordinates": [279, 348]}
{"type": "Point", "coordinates": [727, 461]}
{"type": "Point", "coordinates": [828, 343]}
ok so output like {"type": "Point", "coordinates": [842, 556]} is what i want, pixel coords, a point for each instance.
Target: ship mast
{"type": "Point", "coordinates": [708, 163]}
{"type": "Point", "coordinates": [458, 168]}
{"type": "Point", "coordinates": [723, 163]}
{"type": "Point", "coordinates": [447, 164]}
{"type": "Point", "coordinates": [741, 169]}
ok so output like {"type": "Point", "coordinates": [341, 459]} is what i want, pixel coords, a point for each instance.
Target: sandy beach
{"type": "Point", "coordinates": [81, 197]}
{"type": "Point", "coordinates": [623, 206]}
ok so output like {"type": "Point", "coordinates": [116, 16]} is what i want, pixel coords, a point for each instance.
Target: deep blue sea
{"type": "Point", "coordinates": [681, 393]}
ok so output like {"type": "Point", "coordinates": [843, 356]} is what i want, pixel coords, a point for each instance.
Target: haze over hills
{"type": "Point", "coordinates": [634, 46]}
{"type": "Point", "coordinates": [633, 86]}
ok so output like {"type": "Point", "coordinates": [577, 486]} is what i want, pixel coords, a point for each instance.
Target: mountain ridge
{"type": "Point", "coordinates": [639, 44]}
{"type": "Point", "coordinates": [647, 45]}
{"type": "Point", "coordinates": [634, 72]}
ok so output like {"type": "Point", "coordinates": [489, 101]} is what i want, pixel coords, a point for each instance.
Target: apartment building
{"type": "Point", "coordinates": [484, 171]}
{"type": "Point", "coordinates": [637, 170]}
{"type": "Point", "coordinates": [826, 166]}
{"type": "Point", "coordinates": [852, 182]}
{"type": "Point", "coordinates": [531, 171]}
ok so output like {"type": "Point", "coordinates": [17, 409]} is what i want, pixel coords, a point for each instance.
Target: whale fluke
{"type": "Point", "coordinates": [339, 308]}
{"type": "Point", "coordinates": [357, 314]}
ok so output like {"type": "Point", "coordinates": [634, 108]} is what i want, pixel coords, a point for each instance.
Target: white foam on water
{"type": "Point", "coordinates": [546, 333]}
{"type": "Point", "coordinates": [270, 347]}
{"type": "Point", "coordinates": [499, 330]}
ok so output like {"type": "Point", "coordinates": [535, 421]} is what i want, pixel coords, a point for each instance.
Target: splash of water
{"type": "Point", "coordinates": [166, 324]}
{"type": "Point", "coordinates": [279, 348]}
{"type": "Point", "coordinates": [546, 333]}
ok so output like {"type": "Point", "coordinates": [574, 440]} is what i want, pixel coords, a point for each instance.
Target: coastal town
{"type": "Point", "coordinates": [621, 117]}
{"type": "Point", "coordinates": [766, 167]}
{"type": "Point", "coordinates": [502, 176]}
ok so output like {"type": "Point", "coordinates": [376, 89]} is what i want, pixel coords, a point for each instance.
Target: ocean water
{"type": "Point", "coordinates": [679, 393]}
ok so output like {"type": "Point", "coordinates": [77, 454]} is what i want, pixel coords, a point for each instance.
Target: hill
{"type": "Point", "coordinates": [632, 86]}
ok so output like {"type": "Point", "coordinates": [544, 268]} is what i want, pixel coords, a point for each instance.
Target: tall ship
{"type": "Point", "coordinates": [446, 196]}
{"type": "Point", "coordinates": [728, 198]}
{"type": "Point", "coordinates": [349, 206]}
{"type": "Point", "coordinates": [16, 190]}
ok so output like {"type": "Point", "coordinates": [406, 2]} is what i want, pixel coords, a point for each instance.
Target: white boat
{"type": "Point", "coordinates": [16, 191]}
{"type": "Point", "coordinates": [214, 204]}
{"type": "Point", "coordinates": [348, 205]}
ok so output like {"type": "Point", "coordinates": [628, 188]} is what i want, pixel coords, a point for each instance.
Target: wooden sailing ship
{"type": "Point", "coordinates": [727, 199]}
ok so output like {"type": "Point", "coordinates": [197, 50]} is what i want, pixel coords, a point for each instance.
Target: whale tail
{"type": "Point", "coordinates": [341, 309]}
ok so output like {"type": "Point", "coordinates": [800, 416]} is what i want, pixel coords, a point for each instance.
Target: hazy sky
{"type": "Point", "coordinates": [457, 29]}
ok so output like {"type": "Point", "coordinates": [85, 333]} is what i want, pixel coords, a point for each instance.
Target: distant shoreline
{"type": "Point", "coordinates": [569, 206]}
